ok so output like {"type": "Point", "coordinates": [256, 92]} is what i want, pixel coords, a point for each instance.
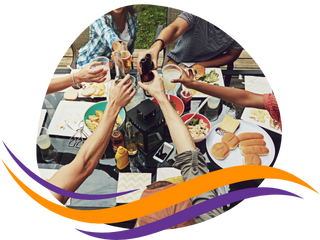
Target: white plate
{"type": "Point", "coordinates": [220, 82]}
{"type": "Point", "coordinates": [235, 157]}
{"type": "Point", "coordinates": [246, 116]}
{"type": "Point", "coordinates": [58, 126]}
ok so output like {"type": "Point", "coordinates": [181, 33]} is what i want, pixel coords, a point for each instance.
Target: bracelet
{"type": "Point", "coordinates": [163, 44]}
{"type": "Point", "coordinates": [75, 82]}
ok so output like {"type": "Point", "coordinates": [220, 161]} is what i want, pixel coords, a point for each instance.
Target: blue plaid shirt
{"type": "Point", "coordinates": [103, 33]}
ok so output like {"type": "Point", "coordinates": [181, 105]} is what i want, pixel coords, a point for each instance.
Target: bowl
{"type": "Point", "coordinates": [101, 106]}
{"type": "Point", "coordinates": [177, 101]}
{"type": "Point", "coordinates": [189, 115]}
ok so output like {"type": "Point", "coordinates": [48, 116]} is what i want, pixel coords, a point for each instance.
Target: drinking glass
{"type": "Point", "coordinates": [170, 72]}
{"type": "Point", "coordinates": [213, 102]}
{"type": "Point", "coordinates": [126, 56]}
{"type": "Point", "coordinates": [104, 64]}
{"type": "Point", "coordinates": [48, 152]}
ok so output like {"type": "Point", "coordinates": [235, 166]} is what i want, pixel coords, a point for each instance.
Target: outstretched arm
{"type": "Point", "coordinates": [239, 97]}
{"type": "Point", "coordinates": [168, 35]}
{"type": "Point", "coordinates": [175, 124]}
{"type": "Point", "coordinates": [72, 175]}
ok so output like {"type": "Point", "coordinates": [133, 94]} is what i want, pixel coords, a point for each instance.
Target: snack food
{"type": "Point", "coordinates": [93, 120]}
{"type": "Point", "coordinates": [220, 150]}
{"type": "Point", "coordinates": [259, 150]}
{"type": "Point", "coordinates": [251, 159]}
{"type": "Point", "coordinates": [231, 140]}
{"type": "Point", "coordinates": [249, 135]}
{"type": "Point", "coordinates": [71, 94]}
{"type": "Point", "coordinates": [87, 92]}
{"type": "Point", "coordinates": [252, 142]}
{"type": "Point", "coordinates": [229, 124]}
{"type": "Point", "coordinates": [94, 90]}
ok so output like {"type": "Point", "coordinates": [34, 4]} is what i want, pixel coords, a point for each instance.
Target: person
{"type": "Point", "coordinates": [199, 41]}
{"type": "Point", "coordinates": [86, 74]}
{"type": "Point", "coordinates": [189, 159]}
{"type": "Point", "coordinates": [107, 33]}
{"type": "Point", "coordinates": [239, 97]}
{"type": "Point", "coordinates": [72, 175]}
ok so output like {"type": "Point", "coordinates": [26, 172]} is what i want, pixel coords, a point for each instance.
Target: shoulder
{"type": "Point", "coordinates": [189, 18]}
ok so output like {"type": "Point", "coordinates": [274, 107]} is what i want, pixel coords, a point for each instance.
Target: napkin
{"type": "Point", "coordinates": [259, 85]}
{"type": "Point", "coordinates": [132, 181]}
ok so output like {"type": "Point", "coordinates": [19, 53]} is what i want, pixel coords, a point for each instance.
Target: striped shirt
{"type": "Point", "coordinates": [201, 42]}
{"type": "Point", "coordinates": [103, 33]}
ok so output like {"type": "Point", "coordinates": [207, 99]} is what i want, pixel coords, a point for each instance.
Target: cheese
{"type": "Point", "coordinates": [229, 124]}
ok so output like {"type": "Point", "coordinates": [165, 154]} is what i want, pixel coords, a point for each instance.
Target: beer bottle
{"type": "Point", "coordinates": [147, 75]}
{"type": "Point", "coordinates": [130, 141]}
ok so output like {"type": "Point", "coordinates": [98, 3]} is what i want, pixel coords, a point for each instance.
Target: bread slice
{"type": "Point", "coordinates": [71, 94]}
{"type": "Point", "coordinates": [229, 124]}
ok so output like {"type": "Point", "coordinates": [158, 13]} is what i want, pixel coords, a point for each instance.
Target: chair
{"type": "Point", "coordinates": [80, 41]}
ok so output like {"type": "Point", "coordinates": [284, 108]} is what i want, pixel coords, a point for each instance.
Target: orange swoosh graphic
{"type": "Point", "coordinates": [156, 201]}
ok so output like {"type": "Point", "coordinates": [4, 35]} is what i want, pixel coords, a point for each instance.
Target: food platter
{"type": "Point", "coordinates": [235, 157]}
{"type": "Point", "coordinates": [199, 95]}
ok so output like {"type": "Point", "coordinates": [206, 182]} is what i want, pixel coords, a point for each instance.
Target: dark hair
{"type": "Point", "coordinates": [132, 9]}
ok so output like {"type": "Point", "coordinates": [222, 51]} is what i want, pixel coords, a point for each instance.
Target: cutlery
{"type": "Point", "coordinates": [202, 104]}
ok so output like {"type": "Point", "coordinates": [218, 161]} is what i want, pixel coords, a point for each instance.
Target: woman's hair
{"type": "Point", "coordinates": [131, 9]}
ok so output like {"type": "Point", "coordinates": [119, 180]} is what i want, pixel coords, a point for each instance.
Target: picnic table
{"type": "Point", "coordinates": [105, 177]}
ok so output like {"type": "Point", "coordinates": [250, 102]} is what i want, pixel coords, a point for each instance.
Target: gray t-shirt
{"type": "Point", "coordinates": [201, 42]}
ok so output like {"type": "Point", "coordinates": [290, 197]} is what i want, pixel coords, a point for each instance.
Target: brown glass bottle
{"type": "Point", "coordinates": [147, 75]}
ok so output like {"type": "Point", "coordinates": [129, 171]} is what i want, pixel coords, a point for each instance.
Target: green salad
{"type": "Point", "coordinates": [211, 77]}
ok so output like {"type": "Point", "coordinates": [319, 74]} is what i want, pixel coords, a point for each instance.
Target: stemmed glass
{"type": "Point", "coordinates": [170, 72]}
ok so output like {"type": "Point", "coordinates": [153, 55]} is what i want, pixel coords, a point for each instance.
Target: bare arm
{"type": "Point", "coordinates": [239, 97]}
{"type": "Point", "coordinates": [72, 175]}
{"type": "Point", "coordinates": [175, 124]}
{"type": "Point", "coordinates": [84, 75]}
{"type": "Point", "coordinates": [168, 35]}
{"type": "Point", "coordinates": [230, 56]}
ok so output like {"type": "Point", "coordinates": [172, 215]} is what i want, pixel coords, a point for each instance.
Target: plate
{"type": "Point", "coordinates": [235, 157]}
{"type": "Point", "coordinates": [58, 126]}
{"type": "Point", "coordinates": [220, 82]}
{"type": "Point", "coordinates": [246, 115]}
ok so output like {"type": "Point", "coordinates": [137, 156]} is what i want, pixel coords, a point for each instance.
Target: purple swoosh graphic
{"type": "Point", "coordinates": [61, 191]}
{"type": "Point", "coordinates": [189, 213]}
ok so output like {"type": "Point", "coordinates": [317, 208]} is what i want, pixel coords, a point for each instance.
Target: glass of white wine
{"type": "Point", "coordinates": [48, 152]}
{"type": "Point", "coordinates": [170, 72]}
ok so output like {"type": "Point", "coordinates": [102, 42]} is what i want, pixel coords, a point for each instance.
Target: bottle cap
{"type": "Point", "coordinates": [121, 150]}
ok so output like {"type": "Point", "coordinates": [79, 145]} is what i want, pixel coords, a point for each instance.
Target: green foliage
{"type": "Point", "coordinates": [149, 17]}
